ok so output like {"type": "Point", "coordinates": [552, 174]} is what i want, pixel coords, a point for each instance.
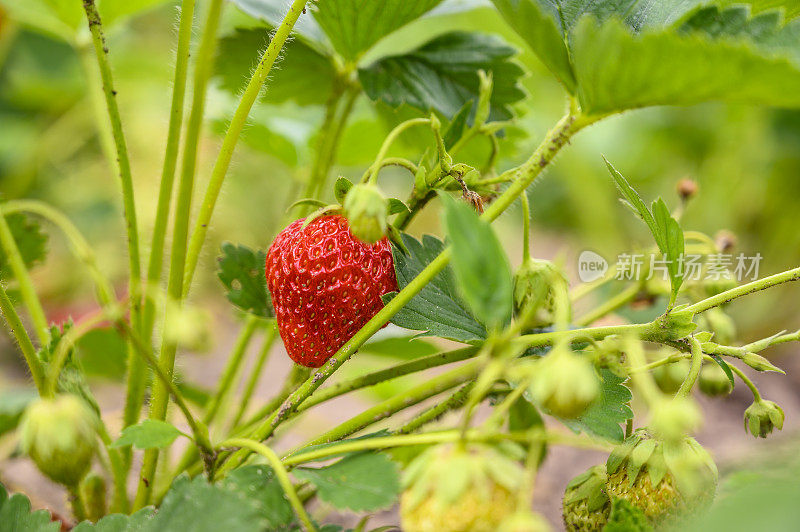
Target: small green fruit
{"type": "Point", "coordinates": [534, 290]}
{"type": "Point", "coordinates": [565, 383]}
{"type": "Point", "coordinates": [669, 377]}
{"type": "Point", "coordinates": [366, 210]}
{"type": "Point", "coordinates": [60, 435]}
{"type": "Point", "coordinates": [713, 381]}
{"type": "Point", "coordinates": [762, 417]}
{"type": "Point", "coordinates": [452, 489]}
{"type": "Point", "coordinates": [586, 505]}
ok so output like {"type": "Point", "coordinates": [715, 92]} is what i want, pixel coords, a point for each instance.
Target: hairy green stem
{"type": "Point", "coordinates": [280, 473]}
{"type": "Point", "coordinates": [749, 383]}
{"type": "Point", "coordinates": [371, 175]}
{"type": "Point", "coordinates": [370, 379]}
{"type": "Point", "coordinates": [76, 501]}
{"type": "Point", "coordinates": [745, 289]}
{"type": "Point", "coordinates": [180, 234]}
{"type": "Point", "coordinates": [24, 341]}
{"type": "Point", "coordinates": [455, 401]}
{"type": "Point", "coordinates": [232, 137]}
{"type": "Point", "coordinates": [26, 288]}
{"type": "Point", "coordinates": [408, 398]}
{"type": "Point", "coordinates": [137, 374]}
{"type": "Point", "coordinates": [124, 167]}
{"type": "Point", "coordinates": [326, 132]}
{"type": "Point", "coordinates": [119, 472]}
{"type": "Point", "coordinates": [526, 227]}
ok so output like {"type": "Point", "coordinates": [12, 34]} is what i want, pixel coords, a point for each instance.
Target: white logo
{"type": "Point", "coordinates": [591, 266]}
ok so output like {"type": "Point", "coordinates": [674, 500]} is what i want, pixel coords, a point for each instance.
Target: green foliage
{"type": "Point", "coordinates": [72, 378]}
{"type": "Point", "coordinates": [480, 264]}
{"type": "Point", "coordinates": [16, 515]}
{"type": "Point", "coordinates": [241, 271]}
{"type": "Point", "coordinates": [136, 522]}
{"type": "Point", "coordinates": [399, 347]}
{"type": "Point", "coordinates": [102, 353]}
{"type": "Point", "coordinates": [625, 517]}
{"type": "Point", "coordinates": [354, 26]}
{"type": "Point", "coordinates": [30, 239]}
{"type": "Point", "coordinates": [437, 310]}
{"type": "Point", "coordinates": [725, 368]}
{"type": "Point", "coordinates": [258, 482]}
{"type": "Point", "coordinates": [359, 482]}
{"type": "Point", "coordinates": [272, 12]}
{"type": "Point", "coordinates": [603, 417]}
{"type": "Point", "coordinates": [149, 434]}
{"type": "Point", "coordinates": [304, 74]}
{"type": "Point", "coordinates": [442, 74]}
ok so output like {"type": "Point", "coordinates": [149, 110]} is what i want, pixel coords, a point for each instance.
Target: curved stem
{"type": "Point", "coordinates": [371, 174]}
{"type": "Point", "coordinates": [526, 227]}
{"type": "Point", "coordinates": [238, 122]}
{"type": "Point", "coordinates": [370, 379]}
{"type": "Point", "coordinates": [24, 341]}
{"type": "Point", "coordinates": [455, 401]}
{"type": "Point", "coordinates": [76, 501]}
{"type": "Point", "coordinates": [255, 373]}
{"type": "Point", "coordinates": [749, 383]}
{"type": "Point", "coordinates": [694, 370]}
{"type": "Point", "coordinates": [26, 288]}
{"type": "Point", "coordinates": [280, 473]}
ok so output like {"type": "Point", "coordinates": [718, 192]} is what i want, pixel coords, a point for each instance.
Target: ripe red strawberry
{"type": "Point", "coordinates": [325, 285]}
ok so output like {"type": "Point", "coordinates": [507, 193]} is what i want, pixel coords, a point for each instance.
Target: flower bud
{"type": "Point", "coordinates": [60, 435]}
{"type": "Point", "coordinates": [686, 188]}
{"type": "Point", "coordinates": [366, 210]}
{"type": "Point", "coordinates": [674, 418]}
{"type": "Point", "coordinates": [533, 287]}
{"type": "Point", "coordinates": [565, 383]}
{"type": "Point", "coordinates": [713, 381]}
{"type": "Point", "coordinates": [762, 417]}
{"type": "Point", "coordinates": [759, 363]}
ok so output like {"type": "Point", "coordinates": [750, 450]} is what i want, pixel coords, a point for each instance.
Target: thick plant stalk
{"type": "Point", "coordinates": [26, 288]}
{"type": "Point", "coordinates": [203, 69]}
{"type": "Point", "coordinates": [137, 374]}
{"type": "Point", "coordinates": [232, 137]}
{"type": "Point", "coordinates": [126, 180]}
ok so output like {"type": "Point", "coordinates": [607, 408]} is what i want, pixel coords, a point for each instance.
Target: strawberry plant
{"type": "Point", "coordinates": [521, 367]}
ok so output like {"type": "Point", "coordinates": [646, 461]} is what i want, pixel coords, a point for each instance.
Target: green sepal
{"type": "Point", "coordinates": [638, 458]}
{"type": "Point", "coordinates": [341, 187]}
{"type": "Point", "coordinates": [330, 209]}
{"type": "Point", "coordinates": [396, 207]}
{"type": "Point", "coordinates": [306, 201]}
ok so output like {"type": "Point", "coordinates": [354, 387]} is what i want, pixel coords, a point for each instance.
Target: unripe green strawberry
{"type": "Point", "coordinates": [585, 506]}
{"type": "Point", "coordinates": [565, 383]}
{"type": "Point", "coordinates": [366, 210]}
{"type": "Point", "coordinates": [525, 521]}
{"type": "Point", "coordinates": [453, 489]}
{"type": "Point", "coordinates": [665, 480]}
{"type": "Point", "coordinates": [669, 377]}
{"type": "Point", "coordinates": [762, 417]}
{"type": "Point", "coordinates": [713, 381]}
{"type": "Point", "coordinates": [60, 435]}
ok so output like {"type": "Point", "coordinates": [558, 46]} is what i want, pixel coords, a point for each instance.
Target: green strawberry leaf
{"type": "Point", "coordinates": [30, 239]}
{"type": "Point", "coordinates": [399, 347]}
{"type": "Point", "coordinates": [437, 310]}
{"type": "Point", "coordinates": [353, 26]}
{"type": "Point", "coordinates": [241, 270]}
{"type": "Point", "coordinates": [479, 262]}
{"type": "Point", "coordinates": [12, 404]}
{"type": "Point", "coordinates": [443, 75]}
{"type": "Point", "coordinates": [265, 139]}
{"type": "Point", "coordinates": [303, 75]}
{"type": "Point", "coordinates": [635, 202]}
{"type": "Point", "coordinates": [15, 513]}
{"type": "Point", "coordinates": [672, 245]}
{"type": "Point", "coordinates": [102, 352]}
{"type": "Point", "coordinates": [725, 368]}
{"type": "Point", "coordinates": [625, 517]}
{"type": "Point", "coordinates": [604, 416]}
{"type": "Point", "coordinates": [258, 482]}
{"type": "Point", "coordinates": [136, 522]}
{"type": "Point", "coordinates": [149, 434]}
{"type": "Point", "coordinates": [358, 482]}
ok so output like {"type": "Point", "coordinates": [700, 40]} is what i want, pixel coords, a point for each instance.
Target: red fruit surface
{"type": "Point", "coordinates": [325, 285]}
